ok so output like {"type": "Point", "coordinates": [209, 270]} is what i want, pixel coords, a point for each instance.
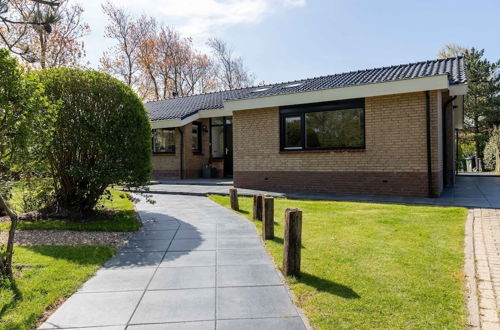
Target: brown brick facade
{"type": "Point", "coordinates": [394, 161]}
{"type": "Point", "coordinates": [386, 183]}
{"type": "Point", "coordinates": [168, 165]}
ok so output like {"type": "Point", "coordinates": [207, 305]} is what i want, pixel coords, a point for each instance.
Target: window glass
{"type": "Point", "coordinates": [196, 137]}
{"type": "Point", "coordinates": [217, 121]}
{"type": "Point", "coordinates": [334, 129]}
{"type": "Point", "coordinates": [293, 138]}
{"type": "Point", "coordinates": [164, 140]}
{"type": "Point", "coordinates": [218, 141]}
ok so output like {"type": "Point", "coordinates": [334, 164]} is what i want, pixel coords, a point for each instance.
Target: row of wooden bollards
{"type": "Point", "coordinates": [263, 210]}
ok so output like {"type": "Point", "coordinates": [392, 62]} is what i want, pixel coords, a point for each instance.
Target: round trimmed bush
{"type": "Point", "coordinates": [102, 136]}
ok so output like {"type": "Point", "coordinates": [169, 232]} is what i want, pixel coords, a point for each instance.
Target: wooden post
{"type": "Point", "coordinates": [257, 207]}
{"type": "Point", "coordinates": [233, 194]}
{"type": "Point", "coordinates": [292, 242]}
{"type": "Point", "coordinates": [268, 218]}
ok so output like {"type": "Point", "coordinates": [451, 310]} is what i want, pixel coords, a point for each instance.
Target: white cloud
{"type": "Point", "coordinates": [295, 3]}
{"type": "Point", "coordinates": [198, 18]}
{"type": "Point", "coordinates": [193, 18]}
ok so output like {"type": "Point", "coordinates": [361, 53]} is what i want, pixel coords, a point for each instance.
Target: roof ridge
{"type": "Point", "coordinates": [313, 78]}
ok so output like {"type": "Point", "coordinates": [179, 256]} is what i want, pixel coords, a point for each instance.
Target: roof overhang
{"type": "Point", "coordinates": [169, 123]}
{"type": "Point", "coordinates": [342, 93]}
{"type": "Point", "coordinates": [437, 82]}
{"type": "Point", "coordinates": [459, 89]}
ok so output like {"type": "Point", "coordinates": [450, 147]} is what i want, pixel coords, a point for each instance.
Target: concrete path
{"type": "Point", "coordinates": [194, 265]}
{"type": "Point", "coordinates": [200, 188]}
{"type": "Point", "coordinates": [469, 191]}
{"type": "Point", "coordinates": [485, 279]}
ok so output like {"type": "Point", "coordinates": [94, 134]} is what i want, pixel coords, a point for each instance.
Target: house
{"type": "Point", "coordinates": [388, 131]}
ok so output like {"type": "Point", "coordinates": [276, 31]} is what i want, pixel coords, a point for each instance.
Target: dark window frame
{"type": "Point", "coordinates": [153, 142]}
{"type": "Point", "coordinates": [224, 126]}
{"type": "Point", "coordinates": [303, 109]}
{"type": "Point", "coordinates": [199, 150]}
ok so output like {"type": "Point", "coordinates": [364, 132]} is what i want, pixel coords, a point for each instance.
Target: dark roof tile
{"type": "Point", "coordinates": [182, 107]}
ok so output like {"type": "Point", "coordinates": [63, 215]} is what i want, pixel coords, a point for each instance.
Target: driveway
{"type": "Point", "coordinates": [194, 265]}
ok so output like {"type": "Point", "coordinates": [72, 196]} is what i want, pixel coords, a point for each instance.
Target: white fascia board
{"type": "Point", "coordinates": [342, 93]}
{"type": "Point", "coordinates": [215, 113]}
{"type": "Point", "coordinates": [460, 89]}
{"type": "Point", "coordinates": [167, 123]}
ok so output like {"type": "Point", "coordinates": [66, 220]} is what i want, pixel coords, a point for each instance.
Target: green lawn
{"type": "Point", "coordinates": [44, 276]}
{"type": "Point", "coordinates": [375, 266]}
{"type": "Point", "coordinates": [117, 214]}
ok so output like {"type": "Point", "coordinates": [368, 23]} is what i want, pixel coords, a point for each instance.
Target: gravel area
{"type": "Point", "coordinates": [67, 237]}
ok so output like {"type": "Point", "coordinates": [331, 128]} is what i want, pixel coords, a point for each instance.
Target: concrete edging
{"type": "Point", "coordinates": [472, 298]}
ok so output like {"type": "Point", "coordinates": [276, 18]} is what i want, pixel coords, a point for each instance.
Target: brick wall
{"type": "Point", "coordinates": [394, 161]}
{"type": "Point", "coordinates": [168, 165]}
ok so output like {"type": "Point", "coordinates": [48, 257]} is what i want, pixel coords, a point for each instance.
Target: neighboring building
{"type": "Point", "coordinates": [388, 131]}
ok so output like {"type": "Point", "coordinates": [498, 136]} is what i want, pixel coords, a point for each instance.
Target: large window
{"type": "Point", "coordinates": [335, 125]}
{"type": "Point", "coordinates": [196, 138]}
{"type": "Point", "coordinates": [164, 140]}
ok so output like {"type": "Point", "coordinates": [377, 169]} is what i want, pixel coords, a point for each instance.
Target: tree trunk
{"type": "Point", "coordinates": [7, 252]}
{"type": "Point", "coordinates": [497, 160]}
{"type": "Point", "coordinates": [477, 142]}
{"type": "Point", "coordinates": [43, 50]}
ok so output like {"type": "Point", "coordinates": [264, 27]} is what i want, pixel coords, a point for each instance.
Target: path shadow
{"type": "Point", "coordinates": [331, 287]}
{"type": "Point", "coordinates": [147, 247]}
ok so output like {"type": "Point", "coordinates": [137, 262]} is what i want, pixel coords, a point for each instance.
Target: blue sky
{"type": "Point", "coordinates": [283, 40]}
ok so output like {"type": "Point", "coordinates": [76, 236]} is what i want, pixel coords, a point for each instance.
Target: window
{"type": "Point", "coordinates": [333, 125]}
{"type": "Point", "coordinates": [164, 140]}
{"type": "Point", "coordinates": [219, 128]}
{"type": "Point", "coordinates": [293, 136]}
{"type": "Point", "coordinates": [196, 138]}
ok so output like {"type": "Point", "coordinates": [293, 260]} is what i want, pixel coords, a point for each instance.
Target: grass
{"type": "Point", "coordinates": [375, 266]}
{"type": "Point", "coordinates": [45, 275]}
{"type": "Point", "coordinates": [117, 214]}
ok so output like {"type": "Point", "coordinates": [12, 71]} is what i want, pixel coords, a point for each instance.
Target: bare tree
{"type": "Point", "coordinates": [451, 50]}
{"type": "Point", "coordinates": [159, 63]}
{"type": "Point", "coordinates": [230, 69]}
{"type": "Point", "coordinates": [43, 33]}
{"type": "Point", "coordinates": [121, 60]}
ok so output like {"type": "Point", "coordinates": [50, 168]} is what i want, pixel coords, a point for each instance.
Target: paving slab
{"type": "Point", "coordinates": [134, 260]}
{"type": "Point", "coordinates": [145, 235]}
{"type": "Point", "coordinates": [188, 258]}
{"type": "Point", "coordinates": [254, 302]}
{"type": "Point", "coordinates": [203, 325]}
{"type": "Point", "coordinates": [194, 265]}
{"type": "Point", "coordinates": [94, 309]}
{"type": "Point", "coordinates": [156, 245]}
{"type": "Point", "coordinates": [193, 244]}
{"type": "Point", "coordinates": [288, 323]}
{"type": "Point", "coordinates": [243, 257]}
{"type": "Point", "coordinates": [176, 306]}
{"type": "Point", "coordinates": [107, 280]}
{"type": "Point", "coordinates": [239, 243]}
{"type": "Point", "coordinates": [247, 275]}
{"type": "Point", "coordinates": [183, 278]}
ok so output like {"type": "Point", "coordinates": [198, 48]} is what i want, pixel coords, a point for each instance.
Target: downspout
{"type": "Point", "coordinates": [445, 137]}
{"type": "Point", "coordinates": [429, 153]}
{"type": "Point", "coordinates": [182, 153]}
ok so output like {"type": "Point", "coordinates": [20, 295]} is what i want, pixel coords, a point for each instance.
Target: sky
{"type": "Point", "coordinates": [284, 40]}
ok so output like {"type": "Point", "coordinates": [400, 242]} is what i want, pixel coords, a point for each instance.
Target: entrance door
{"type": "Point", "coordinates": [228, 146]}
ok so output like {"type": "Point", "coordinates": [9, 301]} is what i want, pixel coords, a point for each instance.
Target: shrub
{"type": "Point", "coordinates": [491, 151]}
{"type": "Point", "coordinates": [102, 136]}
